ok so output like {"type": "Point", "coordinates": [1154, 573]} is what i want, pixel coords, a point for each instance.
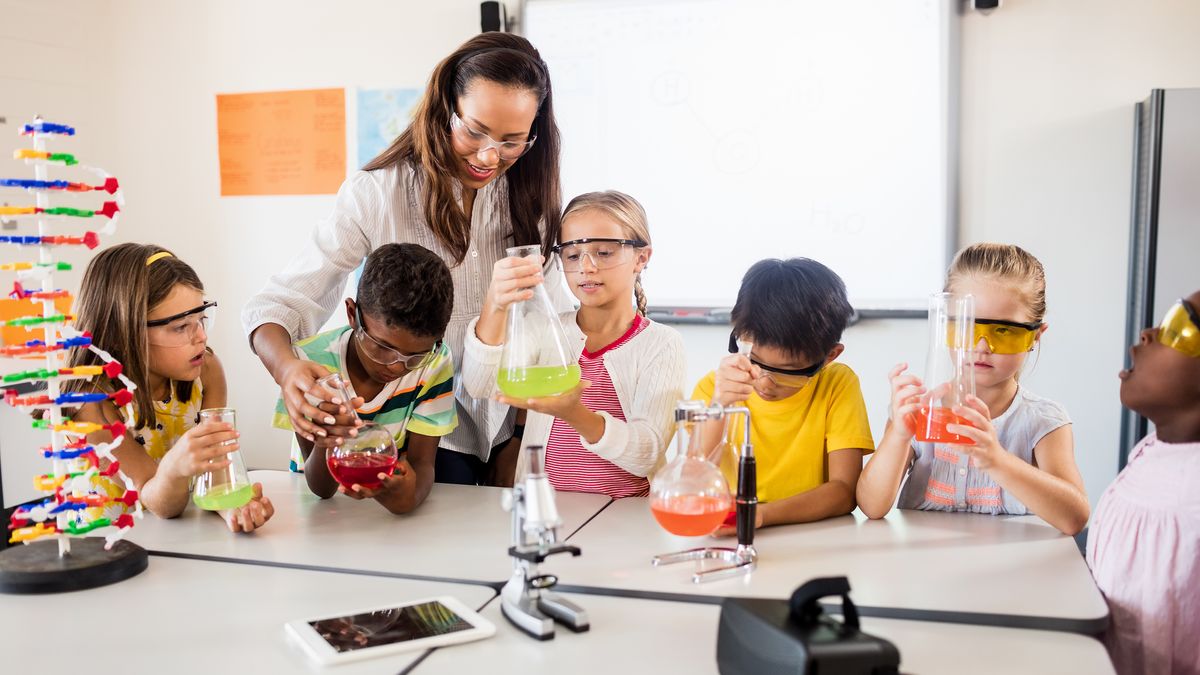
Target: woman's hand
{"type": "Point", "coordinates": [252, 515]}
{"type": "Point", "coordinates": [345, 424]}
{"type": "Point", "coordinates": [297, 378]}
{"type": "Point", "coordinates": [202, 449]}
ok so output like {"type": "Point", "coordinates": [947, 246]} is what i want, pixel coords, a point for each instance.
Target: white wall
{"type": "Point", "coordinates": [1047, 95]}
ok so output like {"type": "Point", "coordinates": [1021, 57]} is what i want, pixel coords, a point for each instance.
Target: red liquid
{"type": "Point", "coordinates": [690, 515]}
{"type": "Point", "coordinates": [930, 425]}
{"type": "Point", "coordinates": [360, 468]}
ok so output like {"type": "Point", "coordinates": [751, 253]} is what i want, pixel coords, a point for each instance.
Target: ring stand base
{"type": "Point", "coordinates": [740, 560]}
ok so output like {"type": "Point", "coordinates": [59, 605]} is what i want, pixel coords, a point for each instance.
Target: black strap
{"type": "Point", "coordinates": [806, 600]}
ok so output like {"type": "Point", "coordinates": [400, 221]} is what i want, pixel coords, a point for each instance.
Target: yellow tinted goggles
{"type": "Point", "coordinates": [1180, 329]}
{"type": "Point", "coordinates": [1002, 337]}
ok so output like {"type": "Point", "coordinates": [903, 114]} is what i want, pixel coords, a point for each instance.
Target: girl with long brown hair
{"type": "Point", "coordinates": [146, 307]}
{"type": "Point", "coordinates": [475, 172]}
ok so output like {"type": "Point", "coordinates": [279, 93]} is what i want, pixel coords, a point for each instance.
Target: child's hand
{"type": "Point", "coordinates": [200, 450]}
{"type": "Point", "coordinates": [299, 377]}
{"type": "Point", "coordinates": [561, 406]}
{"type": "Point", "coordinates": [734, 380]}
{"type": "Point", "coordinates": [906, 400]}
{"type": "Point", "coordinates": [252, 515]}
{"type": "Point", "coordinates": [513, 280]}
{"type": "Point", "coordinates": [987, 450]}
{"type": "Point", "coordinates": [403, 478]}
{"type": "Point", "coordinates": [345, 424]}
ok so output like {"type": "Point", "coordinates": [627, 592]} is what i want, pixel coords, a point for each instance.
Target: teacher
{"type": "Point", "coordinates": [476, 171]}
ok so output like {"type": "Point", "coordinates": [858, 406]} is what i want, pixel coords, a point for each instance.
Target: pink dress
{"type": "Point", "coordinates": [1144, 551]}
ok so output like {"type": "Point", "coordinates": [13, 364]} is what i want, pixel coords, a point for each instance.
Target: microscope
{"type": "Point", "coordinates": [526, 600]}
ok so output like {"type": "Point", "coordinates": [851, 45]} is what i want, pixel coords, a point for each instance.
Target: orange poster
{"type": "Point", "coordinates": [16, 309]}
{"type": "Point", "coordinates": [282, 142]}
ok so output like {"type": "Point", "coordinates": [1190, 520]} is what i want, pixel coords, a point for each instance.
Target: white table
{"type": "Point", "coordinates": [631, 635]}
{"type": "Point", "coordinates": [459, 533]}
{"type": "Point", "coordinates": [1008, 571]}
{"type": "Point", "coordinates": [203, 617]}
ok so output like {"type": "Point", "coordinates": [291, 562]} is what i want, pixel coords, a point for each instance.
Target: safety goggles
{"type": "Point", "coordinates": [1002, 337]}
{"type": "Point", "coordinates": [179, 330]}
{"type": "Point", "coordinates": [600, 252]}
{"type": "Point", "coordinates": [481, 142]}
{"type": "Point", "coordinates": [385, 355]}
{"type": "Point", "coordinates": [1180, 329]}
{"type": "Point", "coordinates": [783, 377]}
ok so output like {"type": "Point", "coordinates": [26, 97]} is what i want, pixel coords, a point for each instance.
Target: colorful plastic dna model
{"type": "Point", "coordinates": [81, 496]}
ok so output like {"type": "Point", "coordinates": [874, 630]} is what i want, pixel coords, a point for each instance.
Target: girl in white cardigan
{"type": "Point", "coordinates": [609, 434]}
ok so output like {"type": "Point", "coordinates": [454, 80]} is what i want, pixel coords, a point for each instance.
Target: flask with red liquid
{"type": "Point", "coordinates": [689, 496]}
{"type": "Point", "coordinates": [949, 368]}
{"type": "Point", "coordinates": [361, 458]}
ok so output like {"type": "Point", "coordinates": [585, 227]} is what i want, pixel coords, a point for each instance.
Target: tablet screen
{"type": "Point", "coordinates": [389, 626]}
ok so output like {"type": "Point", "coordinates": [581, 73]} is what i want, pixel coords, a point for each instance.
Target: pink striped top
{"type": "Point", "coordinates": [569, 465]}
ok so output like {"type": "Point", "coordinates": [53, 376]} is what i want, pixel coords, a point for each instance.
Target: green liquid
{"type": "Point", "coordinates": [223, 497]}
{"type": "Point", "coordinates": [538, 381]}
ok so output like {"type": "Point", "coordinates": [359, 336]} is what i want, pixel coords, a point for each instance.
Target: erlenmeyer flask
{"type": "Point", "coordinates": [228, 487]}
{"type": "Point", "coordinates": [689, 496]}
{"type": "Point", "coordinates": [536, 360]}
{"type": "Point", "coordinates": [362, 457]}
{"type": "Point", "coordinates": [949, 368]}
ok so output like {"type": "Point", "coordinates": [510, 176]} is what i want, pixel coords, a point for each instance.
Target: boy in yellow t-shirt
{"type": "Point", "coordinates": [808, 419]}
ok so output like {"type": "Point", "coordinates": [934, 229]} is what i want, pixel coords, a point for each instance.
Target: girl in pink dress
{"type": "Point", "coordinates": [1144, 543]}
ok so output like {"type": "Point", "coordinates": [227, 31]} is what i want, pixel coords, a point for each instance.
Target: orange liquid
{"type": "Point", "coordinates": [690, 515]}
{"type": "Point", "coordinates": [930, 425]}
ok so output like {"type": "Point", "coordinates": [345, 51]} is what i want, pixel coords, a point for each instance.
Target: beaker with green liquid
{"type": "Point", "coordinates": [537, 360]}
{"type": "Point", "coordinates": [227, 487]}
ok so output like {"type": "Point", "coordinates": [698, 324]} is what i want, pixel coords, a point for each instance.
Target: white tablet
{"type": "Point", "coordinates": [421, 624]}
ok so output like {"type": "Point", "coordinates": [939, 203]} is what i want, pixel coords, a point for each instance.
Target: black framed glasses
{"type": "Point", "coordinates": [602, 252]}
{"type": "Point", "coordinates": [784, 377]}
{"type": "Point", "coordinates": [508, 150]}
{"type": "Point", "coordinates": [385, 355]}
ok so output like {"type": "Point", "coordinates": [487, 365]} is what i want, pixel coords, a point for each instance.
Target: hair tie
{"type": "Point", "coordinates": [157, 256]}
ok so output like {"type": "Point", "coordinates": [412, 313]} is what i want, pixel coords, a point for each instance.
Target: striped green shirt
{"type": "Point", "coordinates": [422, 401]}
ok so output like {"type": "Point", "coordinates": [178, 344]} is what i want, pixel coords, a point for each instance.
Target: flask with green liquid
{"type": "Point", "coordinates": [536, 361]}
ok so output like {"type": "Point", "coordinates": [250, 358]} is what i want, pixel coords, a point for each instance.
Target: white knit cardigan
{"type": "Point", "coordinates": [647, 373]}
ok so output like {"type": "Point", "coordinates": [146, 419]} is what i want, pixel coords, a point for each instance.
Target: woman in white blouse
{"type": "Point", "coordinates": [476, 171]}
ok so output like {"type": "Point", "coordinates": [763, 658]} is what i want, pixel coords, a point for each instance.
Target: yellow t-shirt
{"type": "Point", "coordinates": [792, 436]}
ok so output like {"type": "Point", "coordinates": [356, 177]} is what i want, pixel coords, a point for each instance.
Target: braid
{"type": "Point", "coordinates": [639, 295]}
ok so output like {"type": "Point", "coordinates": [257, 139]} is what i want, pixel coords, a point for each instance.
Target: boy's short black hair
{"type": "Point", "coordinates": [409, 287]}
{"type": "Point", "coordinates": [797, 305]}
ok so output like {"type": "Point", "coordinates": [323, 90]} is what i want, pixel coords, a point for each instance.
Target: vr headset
{"type": "Point", "coordinates": [796, 637]}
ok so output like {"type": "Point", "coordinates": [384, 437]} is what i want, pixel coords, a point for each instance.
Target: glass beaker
{"type": "Point", "coordinates": [361, 458]}
{"type": "Point", "coordinates": [334, 384]}
{"type": "Point", "coordinates": [227, 487]}
{"type": "Point", "coordinates": [689, 496]}
{"type": "Point", "coordinates": [536, 360]}
{"type": "Point", "coordinates": [949, 368]}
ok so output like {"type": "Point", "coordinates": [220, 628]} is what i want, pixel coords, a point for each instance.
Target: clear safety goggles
{"type": "Point", "coordinates": [600, 253]}
{"type": "Point", "coordinates": [182, 329]}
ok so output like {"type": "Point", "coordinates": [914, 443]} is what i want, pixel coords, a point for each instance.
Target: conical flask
{"type": "Point", "coordinates": [227, 487]}
{"type": "Point", "coordinates": [536, 360]}
{"type": "Point", "coordinates": [949, 368]}
{"type": "Point", "coordinates": [689, 496]}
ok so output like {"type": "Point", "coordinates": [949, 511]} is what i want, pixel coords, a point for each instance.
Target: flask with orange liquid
{"type": "Point", "coordinates": [949, 368]}
{"type": "Point", "coordinates": [690, 496]}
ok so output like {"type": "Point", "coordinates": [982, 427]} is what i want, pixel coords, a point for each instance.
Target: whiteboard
{"type": "Point", "coordinates": [763, 128]}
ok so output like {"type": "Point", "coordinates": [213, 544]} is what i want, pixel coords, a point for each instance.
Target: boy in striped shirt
{"type": "Point", "coordinates": [398, 369]}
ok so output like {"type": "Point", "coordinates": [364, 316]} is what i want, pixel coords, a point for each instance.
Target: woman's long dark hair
{"type": "Point", "coordinates": [534, 193]}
